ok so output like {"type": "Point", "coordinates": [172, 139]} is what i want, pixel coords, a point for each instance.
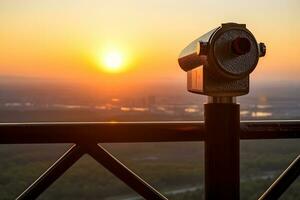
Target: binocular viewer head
{"type": "Point", "coordinates": [219, 62]}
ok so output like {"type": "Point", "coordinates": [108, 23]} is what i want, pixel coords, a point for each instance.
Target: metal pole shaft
{"type": "Point", "coordinates": [222, 174]}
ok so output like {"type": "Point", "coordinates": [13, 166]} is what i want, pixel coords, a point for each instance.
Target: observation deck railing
{"type": "Point", "coordinates": [87, 139]}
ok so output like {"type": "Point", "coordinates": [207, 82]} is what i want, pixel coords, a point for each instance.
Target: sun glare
{"type": "Point", "coordinates": [113, 61]}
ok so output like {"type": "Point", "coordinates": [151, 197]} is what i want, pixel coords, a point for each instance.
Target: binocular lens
{"type": "Point", "coordinates": [241, 45]}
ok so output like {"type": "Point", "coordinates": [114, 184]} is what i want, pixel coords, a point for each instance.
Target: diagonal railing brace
{"type": "Point", "coordinates": [283, 182]}
{"type": "Point", "coordinates": [122, 172]}
{"type": "Point", "coordinates": [52, 174]}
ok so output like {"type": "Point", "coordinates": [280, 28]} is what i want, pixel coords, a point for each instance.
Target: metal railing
{"type": "Point", "coordinates": [87, 139]}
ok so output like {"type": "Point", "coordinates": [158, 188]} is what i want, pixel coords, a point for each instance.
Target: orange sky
{"type": "Point", "coordinates": [63, 39]}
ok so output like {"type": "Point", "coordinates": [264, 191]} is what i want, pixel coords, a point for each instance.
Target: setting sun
{"type": "Point", "coordinates": [113, 61]}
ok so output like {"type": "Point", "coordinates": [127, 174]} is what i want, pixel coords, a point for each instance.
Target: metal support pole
{"type": "Point", "coordinates": [222, 126]}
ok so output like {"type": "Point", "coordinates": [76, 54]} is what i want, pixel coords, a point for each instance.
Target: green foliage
{"type": "Point", "coordinates": [166, 166]}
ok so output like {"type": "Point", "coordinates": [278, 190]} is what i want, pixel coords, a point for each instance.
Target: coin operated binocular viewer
{"type": "Point", "coordinates": [218, 64]}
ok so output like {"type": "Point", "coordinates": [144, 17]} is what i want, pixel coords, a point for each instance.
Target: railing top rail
{"type": "Point", "coordinates": [273, 121]}
{"type": "Point", "coordinates": [123, 132]}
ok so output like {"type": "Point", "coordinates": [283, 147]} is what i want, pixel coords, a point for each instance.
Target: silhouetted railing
{"type": "Point", "coordinates": [87, 137]}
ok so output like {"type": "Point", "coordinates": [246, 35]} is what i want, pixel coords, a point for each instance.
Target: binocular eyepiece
{"type": "Point", "coordinates": [240, 45]}
{"type": "Point", "coordinates": [227, 54]}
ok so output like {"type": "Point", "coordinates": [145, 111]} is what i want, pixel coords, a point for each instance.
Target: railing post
{"type": "Point", "coordinates": [222, 124]}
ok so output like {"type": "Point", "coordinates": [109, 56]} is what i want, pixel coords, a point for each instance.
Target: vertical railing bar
{"type": "Point", "coordinates": [283, 181]}
{"type": "Point", "coordinates": [52, 173]}
{"type": "Point", "coordinates": [123, 173]}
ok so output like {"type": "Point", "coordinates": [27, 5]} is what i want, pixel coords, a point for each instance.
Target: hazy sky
{"type": "Point", "coordinates": [64, 39]}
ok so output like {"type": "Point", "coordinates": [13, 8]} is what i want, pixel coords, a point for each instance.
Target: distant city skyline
{"type": "Point", "coordinates": [38, 103]}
